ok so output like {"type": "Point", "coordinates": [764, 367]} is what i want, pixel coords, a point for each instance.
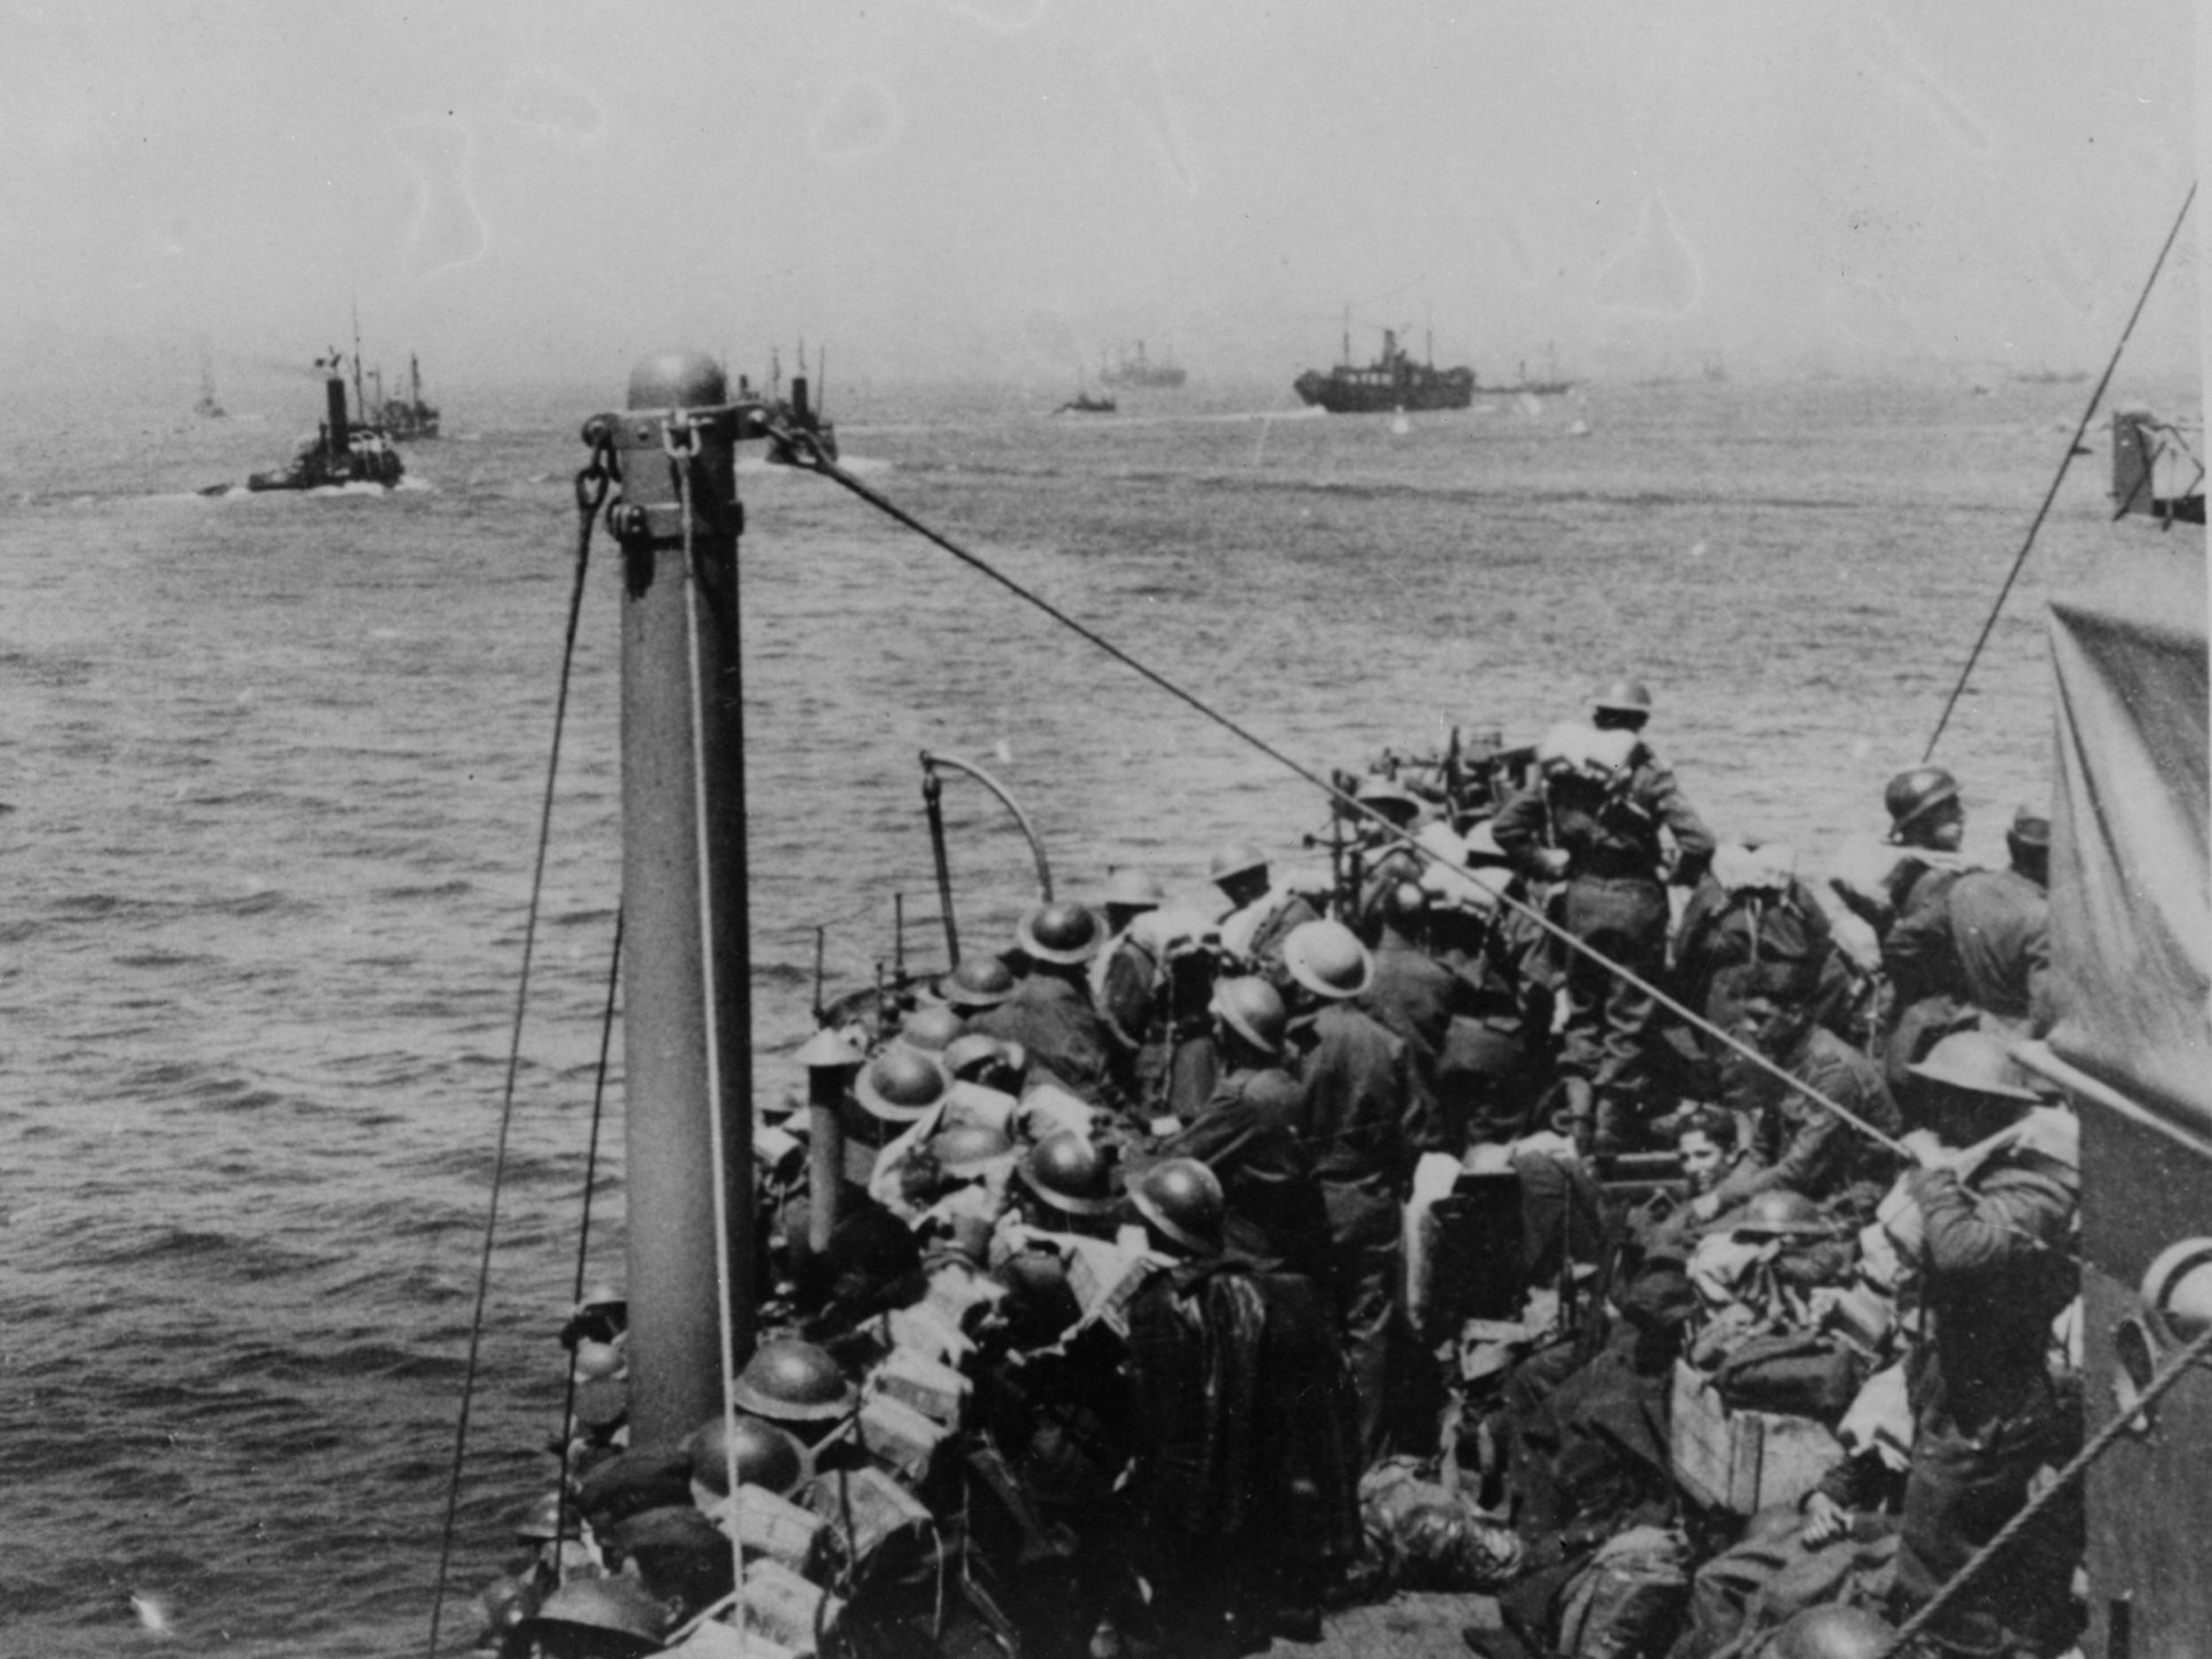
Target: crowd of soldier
{"type": "Point", "coordinates": [1175, 1174]}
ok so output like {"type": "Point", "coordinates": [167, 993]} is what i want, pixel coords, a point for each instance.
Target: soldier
{"type": "Point", "coordinates": [1261, 915]}
{"type": "Point", "coordinates": [1625, 705]}
{"type": "Point", "coordinates": [2000, 924]}
{"type": "Point", "coordinates": [1050, 1013]}
{"type": "Point", "coordinates": [1380, 858]}
{"type": "Point", "coordinates": [1248, 1136]}
{"type": "Point", "coordinates": [1411, 993]}
{"type": "Point", "coordinates": [1497, 1047]}
{"type": "Point", "coordinates": [1246, 1464]}
{"type": "Point", "coordinates": [1927, 984]}
{"type": "Point", "coordinates": [1598, 819]}
{"type": "Point", "coordinates": [1366, 1116]}
{"type": "Point", "coordinates": [1799, 1144]}
{"type": "Point", "coordinates": [1152, 983]}
{"type": "Point", "coordinates": [1995, 1270]}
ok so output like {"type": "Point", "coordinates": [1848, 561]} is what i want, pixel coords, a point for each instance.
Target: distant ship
{"type": "Point", "coordinates": [1138, 371]}
{"type": "Point", "coordinates": [1084, 403]}
{"type": "Point", "coordinates": [1551, 383]}
{"type": "Point", "coordinates": [1393, 381]}
{"type": "Point", "coordinates": [408, 419]}
{"type": "Point", "coordinates": [341, 450]}
{"type": "Point", "coordinates": [804, 410]}
{"type": "Point", "coordinates": [207, 406]}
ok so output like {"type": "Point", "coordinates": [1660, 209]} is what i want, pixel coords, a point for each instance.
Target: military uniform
{"type": "Point", "coordinates": [2000, 923]}
{"type": "Point", "coordinates": [1152, 995]}
{"type": "Point", "coordinates": [1053, 1019]}
{"type": "Point", "coordinates": [1365, 1116]}
{"type": "Point", "coordinates": [1799, 1144]}
{"type": "Point", "coordinates": [1995, 1271]}
{"type": "Point", "coordinates": [1255, 933]}
{"type": "Point", "coordinates": [1615, 902]}
{"type": "Point", "coordinates": [1247, 1135]}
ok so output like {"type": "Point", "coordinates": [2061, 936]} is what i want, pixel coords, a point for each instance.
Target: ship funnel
{"type": "Point", "coordinates": [335, 396]}
{"type": "Point", "coordinates": [802, 414]}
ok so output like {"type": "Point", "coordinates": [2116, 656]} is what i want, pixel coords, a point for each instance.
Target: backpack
{"type": "Point", "coordinates": [1627, 1601]}
{"type": "Point", "coordinates": [1792, 1373]}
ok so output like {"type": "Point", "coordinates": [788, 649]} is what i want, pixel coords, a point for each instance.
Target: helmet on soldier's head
{"type": "Point", "coordinates": [1062, 934]}
{"type": "Point", "coordinates": [901, 1084]}
{"type": "Point", "coordinates": [1622, 696]}
{"type": "Point", "coordinates": [1253, 1008]}
{"type": "Point", "coordinates": [1236, 859]}
{"type": "Point", "coordinates": [966, 1150]}
{"type": "Point", "coordinates": [1133, 889]}
{"type": "Point", "coordinates": [1182, 1198]}
{"type": "Point", "coordinates": [978, 982]}
{"type": "Point", "coordinates": [2029, 832]}
{"type": "Point", "coordinates": [1977, 1062]}
{"type": "Point", "coordinates": [1783, 1214]}
{"type": "Point", "coordinates": [1387, 796]}
{"type": "Point", "coordinates": [766, 1455]}
{"type": "Point", "coordinates": [973, 1054]}
{"type": "Point", "coordinates": [1833, 1630]}
{"type": "Point", "coordinates": [1328, 959]}
{"type": "Point", "coordinates": [1068, 1173]}
{"type": "Point", "coordinates": [1913, 794]}
{"type": "Point", "coordinates": [930, 1029]}
{"type": "Point", "coordinates": [791, 1381]}
{"type": "Point", "coordinates": [627, 1618]}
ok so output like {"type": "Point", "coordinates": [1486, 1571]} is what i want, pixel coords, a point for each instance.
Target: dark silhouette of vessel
{"type": "Point", "coordinates": [409, 420]}
{"type": "Point", "coordinates": [1392, 381]}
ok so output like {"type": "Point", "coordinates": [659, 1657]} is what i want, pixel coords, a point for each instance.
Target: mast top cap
{"type": "Point", "coordinates": [678, 380]}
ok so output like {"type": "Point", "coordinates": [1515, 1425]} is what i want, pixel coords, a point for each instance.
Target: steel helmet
{"type": "Point", "coordinates": [930, 1029]}
{"type": "Point", "coordinates": [1831, 1631]}
{"type": "Point", "coordinates": [1062, 934]}
{"type": "Point", "coordinates": [967, 1150]}
{"type": "Point", "coordinates": [618, 1606]}
{"type": "Point", "coordinates": [1254, 1010]}
{"type": "Point", "coordinates": [1622, 696]}
{"type": "Point", "coordinates": [1389, 797]}
{"type": "Point", "coordinates": [2029, 831]}
{"type": "Point", "coordinates": [1328, 959]}
{"type": "Point", "coordinates": [974, 1055]}
{"type": "Point", "coordinates": [1977, 1062]}
{"type": "Point", "coordinates": [1129, 888]}
{"type": "Point", "coordinates": [767, 1456]}
{"type": "Point", "coordinates": [899, 1085]}
{"type": "Point", "coordinates": [791, 1381]}
{"type": "Point", "coordinates": [1782, 1214]}
{"type": "Point", "coordinates": [1182, 1198]}
{"type": "Point", "coordinates": [978, 982]}
{"type": "Point", "coordinates": [1912, 796]}
{"type": "Point", "coordinates": [548, 1518]}
{"type": "Point", "coordinates": [1068, 1173]}
{"type": "Point", "coordinates": [1236, 859]}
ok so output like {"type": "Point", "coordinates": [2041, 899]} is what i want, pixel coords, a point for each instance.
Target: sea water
{"type": "Point", "coordinates": [275, 767]}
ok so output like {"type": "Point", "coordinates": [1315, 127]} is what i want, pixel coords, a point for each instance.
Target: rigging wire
{"type": "Point", "coordinates": [583, 1229]}
{"type": "Point", "coordinates": [2049, 496]}
{"type": "Point", "coordinates": [591, 492]}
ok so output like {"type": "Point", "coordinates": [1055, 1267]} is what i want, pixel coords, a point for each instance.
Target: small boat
{"type": "Point", "coordinates": [805, 409]}
{"type": "Point", "coordinates": [1392, 381]}
{"type": "Point", "coordinates": [1085, 404]}
{"type": "Point", "coordinates": [341, 449]}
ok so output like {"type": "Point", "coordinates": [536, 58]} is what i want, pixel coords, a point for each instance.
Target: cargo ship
{"type": "Point", "coordinates": [1393, 381]}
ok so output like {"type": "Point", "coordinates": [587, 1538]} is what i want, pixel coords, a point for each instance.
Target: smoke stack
{"type": "Point", "coordinates": [334, 395]}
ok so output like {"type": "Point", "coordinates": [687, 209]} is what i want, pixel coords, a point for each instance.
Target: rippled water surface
{"type": "Point", "coordinates": [275, 767]}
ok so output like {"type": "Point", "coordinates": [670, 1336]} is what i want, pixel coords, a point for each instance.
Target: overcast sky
{"type": "Point", "coordinates": [1013, 186]}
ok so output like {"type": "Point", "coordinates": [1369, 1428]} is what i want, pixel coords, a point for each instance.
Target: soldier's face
{"type": "Point", "coordinates": [1700, 1160]}
{"type": "Point", "coordinates": [1945, 827]}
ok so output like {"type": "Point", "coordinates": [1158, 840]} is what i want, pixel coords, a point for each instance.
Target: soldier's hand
{"type": "Point", "coordinates": [1825, 1521]}
{"type": "Point", "coordinates": [1928, 1152]}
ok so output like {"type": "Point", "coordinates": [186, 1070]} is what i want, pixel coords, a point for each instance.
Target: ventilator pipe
{"type": "Point", "coordinates": [1029, 833]}
{"type": "Point", "coordinates": [830, 1056]}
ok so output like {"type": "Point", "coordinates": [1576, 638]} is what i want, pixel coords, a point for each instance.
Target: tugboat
{"type": "Point", "coordinates": [1085, 404]}
{"type": "Point", "coordinates": [341, 450]}
{"type": "Point", "coordinates": [1140, 371]}
{"type": "Point", "coordinates": [409, 420]}
{"type": "Point", "coordinates": [1393, 381]}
